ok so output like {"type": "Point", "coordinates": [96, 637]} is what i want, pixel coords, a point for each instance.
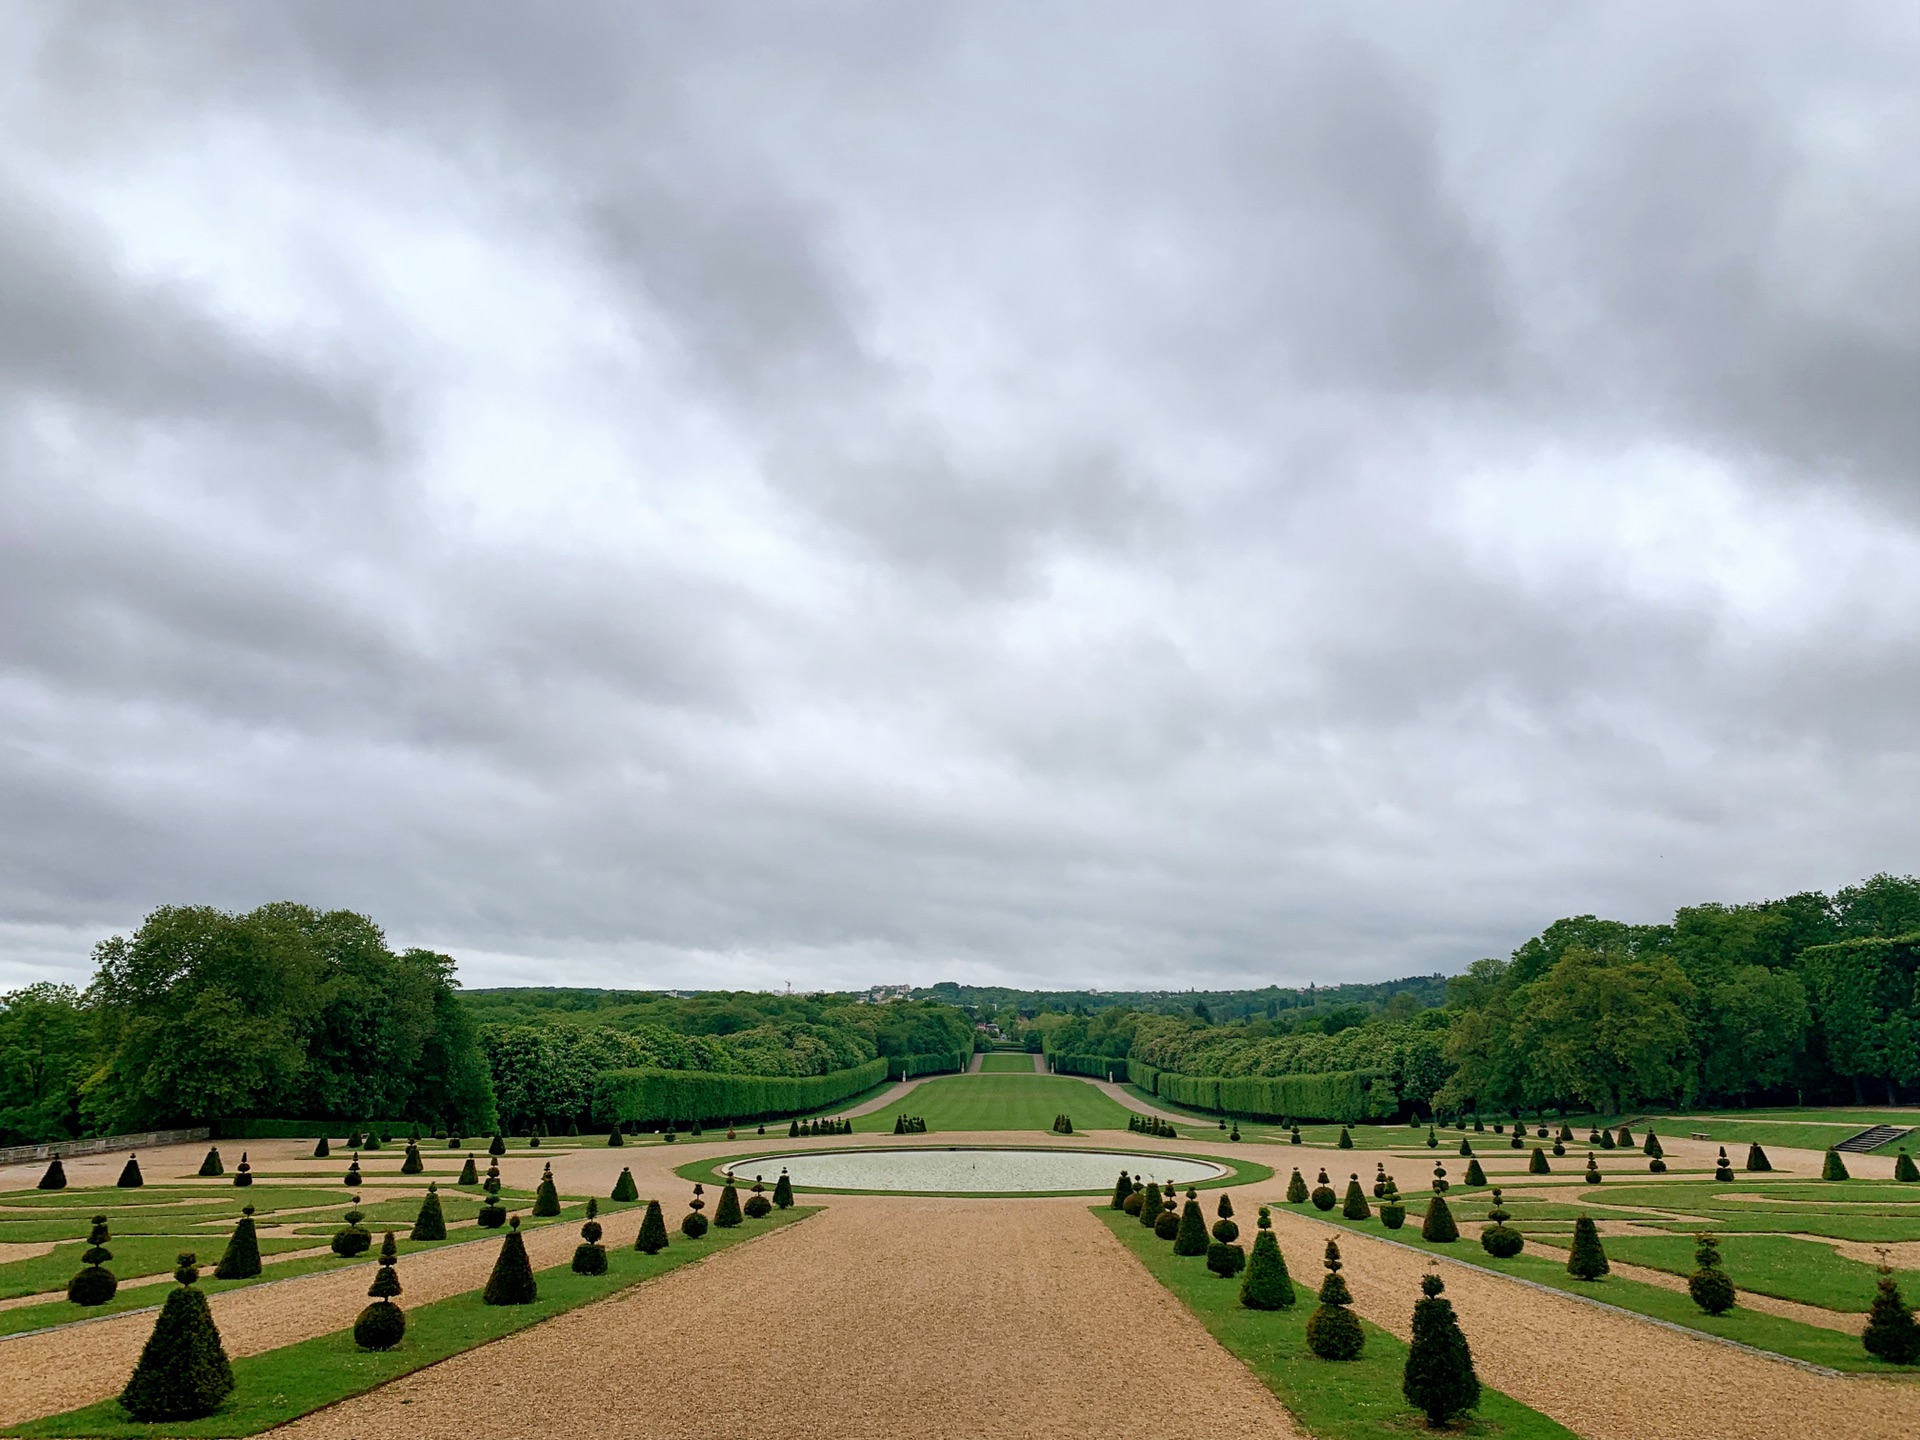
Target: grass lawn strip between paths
{"type": "Point", "coordinates": [280, 1385]}
{"type": "Point", "coordinates": [1001, 1102]}
{"type": "Point", "coordinates": [1006, 1065]}
{"type": "Point", "coordinates": [1348, 1400]}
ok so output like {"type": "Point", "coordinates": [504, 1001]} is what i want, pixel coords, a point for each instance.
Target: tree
{"type": "Point", "coordinates": [382, 1324]}
{"type": "Point", "coordinates": [1712, 1291]}
{"type": "Point", "coordinates": [653, 1231]}
{"type": "Point", "coordinates": [1754, 1030]}
{"type": "Point", "coordinates": [94, 1284]}
{"type": "Point", "coordinates": [1333, 1331]}
{"type": "Point", "coordinates": [1607, 1029]}
{"type": "Point", "coordinates": [1891, 1333]}
{"type": "Point", "coordinates": [1266, 1285]}
{"type": "Point", "coordinates": [47, 1050]}
{"type": "Point", "coordinates": [241, 1259]}
{"type": "Point", "coordinates": [183, 1372]}
{"type": "Point", "coordinates": [511, 1282]}
{"type": "Point", "coordinates": [1438, 1379]}
{"type": "Point", "coordinates": [431, 1223]}
{"type": "Point", "coordinates": [1588, 1258]}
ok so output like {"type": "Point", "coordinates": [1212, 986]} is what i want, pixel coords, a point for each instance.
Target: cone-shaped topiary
{"type": "Point", "coordinates": [131, 1179]}
{"type": "Point", "coordinates": [1190, 1236]}
{"type": "Point", "coordinates": [1296, 1188]}
{"type": "Point", "coordinates": [1593, 1175]}
{"type": "Point", "coordinates": [615, 1138]}
{"type": "Point", "coordinates": [1122, 1188]}
{"type": "Point", "coordinates": [412, 1164]}
{"type": "Point", "coordinates": [623, 1188]}
{"type": "Point", "coordinates": [431, 1222]}
{"type": "Point", "coordinates": [1466, 1146]}
{"type": "Point", "coordinates": [56, 1176]}
{"type": "Point", "coordinates": [211, 1165]}
{"type": "Point", "coordinates": [1266, 1285]}
{"type": "Point", "coordinates": [1475, 1175]}
{"type": "Point", "coordinates": [1226, 1259]}
{"type": "Point", "coordinates": [498, 1145]}
{"type": "Point", "coordinates": [1904, 1169]}
{"type": "Point", "coordinates": [653, 1231]}
{"type": "Point", "coordinates": [1588, 1258]}
{"type": "Point", "coordinates": [1500, 1239]}
{"type": "Point", "coordinates": [783, 1191]}
{"type": "Point", "coordinates": [590, 1256]}
{"type": "Point", "coordinates": [1565, 1135]}
{"type": "Point", "coordinates": [1723, 1167]}
{"type": "Point", "coordinates": [1439, 1224]}
{"type": "Point", "coordinates": [693, 1225]}
{"type": "Point", "coordinates": [183, 1372]}
{"type": "Point", "coordinates": [382, 1324]}
{"type": "Point", "coordinates": [1833, 1168]}
{"type": "Point", "coordinates": [241, 1259]}
{"type": "Point", "coordinates": [1438, 1380]}
{"type": "Point", "coordinates": [1891, 1333]}
{"type": "Point", "coordinates": [469, 1172]}
{"type": "Point", "coordinates": [320, 1150]}
{"type": "Point", "coordinates": [1333, 1331]}
{"type": "Point", "coordinates": [512, 1280]}
{"type": "Point", "coordinates": [1355, 1206]}
{"type": "Point", "coordinates": [352, 1240]}
{"type": "Point", "coordinates": [1346, 1138]}
{"type": "Point", "coordinates": [94, 1284]}
{"type": "Point", "coordinates": [1537, 1164]}
{"type": "Point", "coordinates": [1606, 1140]}
{"type": "Point", "coordinates": [726, 1214]}
{"type": "Point", "coordinates": [1712, 1291]}
{"type": "Point", "coordinates": [546, 1199]}
{"type": "Point", "coordinates": [352, 1177]}
{"type": "Point", "coordinates": [1757, 1159]}
{"type": "Point", "coordinates": [1624, 1138]}
{"type": "Point", "coordinates": [1150, 1204]}
{"type": "Point", "coordinates": [1651, 1147]}
{"type": "Point", "coordinates": [243, 1176]}
{"type": "Point", "coordinates": [758, 1207]}
{"type": "Point", "coordinates": [1167, 1226]}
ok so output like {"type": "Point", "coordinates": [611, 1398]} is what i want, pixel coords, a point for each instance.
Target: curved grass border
{"type": "Point", "coordinates": [1239, 1172]}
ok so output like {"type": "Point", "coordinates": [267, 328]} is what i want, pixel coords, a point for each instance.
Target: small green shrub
{"type": "Point", "coordinates": [1891, 1333]}
{"type": "Point", "coordinates": [131, 1179]}
{"type": "Point", "coordinates": [431, 1222]}
{"type": "Point", "coordinates": [211, 1165]}
{"type": "Point", "coordinates": [1834, 1168]}
{"type": "Point", "coordinates": [94, 1284]}
{"type": "Point", "coordinates": [1226, 1259]}
{"type": "Point", "coordinates": [1904, 1169]}
{"type": "Point", "coordinates": [1651, 1147]}
{"type": "Point", "coordinates": [1438, 1379]}
{"type": "Point", "coordinates": [1537, 1164]}
{"type": "Point", "coordinates": [1167, 1226]}
{"type": "Point", "coordinates": [615, 1137]}
{"type": "Point", "coordinates": [623, 1188]}
{"type": "Point", "coordinates": [383, 1324]}
{"type": "Point", "coordinates": [243, 1174]}
{"type": "Point", "coordinates": [1122, 1191]}
{"type": "Point", "coordinates": [1709, 1286]}
{"type": "Point", "coordinates": [653, 1230]}
{"type": "Point", "coordinates": [511, 1282]}
{"type": "Point", "coordinates": [1587, 1260]}
{"type": "Point", "coordinates": [183, 1372]}
{"type": "Point", "coordinates": [55, 1177]}
{"type": "Point", "coordinates": [1346, 1138]}
{"type": "Point", "coordinates": [412, 1164]}
{"type": "Point", "coordinates": [1296, 1189]}
{"type": "Point", "coordinates": [1393, 1214]}
{"type": "Point", "coordinates": [1439, 1223]}
{"type": "Point", "coordinates": [321, 1150]}
{"type": "Point", "coordinates": [241, 1259]}
{"type": "Point", "coordinates": [1475, 1176]}
{"type": "Point", "coordinates": [1333, 1330]}
{"type": "Point", "coordinates": [1225, 1231]}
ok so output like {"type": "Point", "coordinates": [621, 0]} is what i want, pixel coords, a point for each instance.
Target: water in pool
{"type": "Point", "coordinates": [969, 1171]}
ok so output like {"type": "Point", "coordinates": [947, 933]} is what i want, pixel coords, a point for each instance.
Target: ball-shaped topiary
{"type": "Point", "coordinates": [1266, 1285]}
{"type": "Point", "coordinates": [183, 1372]}
{"type": "Point", "coordinates": [1438, 1379]}
{"type": "Point", "coordinates": [1134, 1203]}
{"type": "Point", "coordinates": [1225, 1259]}
{"type": "Point", "coordinates": [1225, 1231]}
{"type": "Point", "coordinates": [241, 1259]}
{"type": "Point", "coordinates": [1439, 1224]}
{"type": "Point", "coordinates": [431, 1223]}
{"type": "Point", "coordinates": [590, 1256]}
{"type": "Point", "coordinates": [94, 1284]}
{"type": "Point", "coordinates": [1500, 1239]}
{"type": "Point", "coordinates": [1333, 1331]}
{"type": "Point", "coordinates": [1323, 1197]}
{"type": "Point", "coordinates": [653, 1230]}
{"type": "Point", "coordinates": [511, 1282]}
{"type": "Point", "coordinates": [1537, 1163]}
{"type": "Point", "coordinates": [383, 1324]}
{"type": "Point", "coordinates": [1587, 1260]}
{"type": "Point", "coordinates": [1891, 1332]}
{"type": "Point", "coordinates": [1709, 1286]}
{"type": "Point", "coordinates": [1167, 1226]}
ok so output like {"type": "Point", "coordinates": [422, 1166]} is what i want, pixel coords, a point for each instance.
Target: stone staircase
{"type": "Point", "coordinates": [1872, 1138]}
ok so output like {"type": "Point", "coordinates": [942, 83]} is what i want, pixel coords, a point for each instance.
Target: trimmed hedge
{"type": "Point", "coordinates": [1098, 1066]}
{"type": "Point", "coordinates": [907, 1066]}
{"type": "Point", "coordinates": [649, 1096]}
{"type": "Point", "coordinates": [1345, 1095]}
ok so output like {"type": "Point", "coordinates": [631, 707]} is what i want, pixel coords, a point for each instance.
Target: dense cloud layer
{"type": "Point", "coordinates": [726, 495]}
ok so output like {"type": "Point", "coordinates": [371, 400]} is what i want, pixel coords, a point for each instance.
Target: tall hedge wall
{"type": "Point", "coordinates": [648, 1096]}
{"type": "Point", "coordinates": [906, 1066]}
{"type": "Point", "coordinates": [1338, 1095]}
{"type": "Point", "coordinates": [1098, 1066]}
{"type": "Point", "coordinates": [1143, 1075]}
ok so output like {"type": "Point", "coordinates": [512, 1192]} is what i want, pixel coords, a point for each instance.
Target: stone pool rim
{"type": "Point", "coordinates": [1235, 1170]}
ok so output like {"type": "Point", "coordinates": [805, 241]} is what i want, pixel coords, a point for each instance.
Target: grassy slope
{"type": "Point", "coordinates": [280, 1385]}
{"type": "Point", "coordinates": [1006, 1065]}
{"type": "Point", "coordinates": [1002, 1102]}
{"type": "Point", "coordinates": [1355, 1400]}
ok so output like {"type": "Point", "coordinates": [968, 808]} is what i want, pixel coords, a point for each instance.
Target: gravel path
{"type": "Point", "coordinates": [1606, 1376]}
{"type": "Point", "coordinates": [876, 1319]}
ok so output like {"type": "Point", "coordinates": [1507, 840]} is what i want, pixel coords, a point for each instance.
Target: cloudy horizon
{"type": "Point", "coordinates": [851, 493]}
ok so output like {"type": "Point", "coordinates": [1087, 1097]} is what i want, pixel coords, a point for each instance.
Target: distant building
{"type": "Point", "coordinates": [887, 994]}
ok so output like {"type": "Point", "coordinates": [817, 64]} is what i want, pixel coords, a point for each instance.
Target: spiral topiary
{"type": "Point", "coordinates": [382, 1324]}
{"type": "Point", "coordinates": [94, 1284]}
{"type": "Point", "coordinates": [1333, 1331]}
{"type": "Point", "coordinates": [1323, 1196]}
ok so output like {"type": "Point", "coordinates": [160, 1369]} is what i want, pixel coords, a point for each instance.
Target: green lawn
{"type": "Point", "coordinates": [281, 1385]}
{"type": "Point", "coordinates": [1354, 1400]}
{"type": "Point", "coordinates": [1001, 1102]}
{"type": "Point", "coordinates": [1778, 1265]}
{"type": "Point", "coordinates": [1006, 1065]}
{"type": "Point", "coordinates": [1547, 1266]}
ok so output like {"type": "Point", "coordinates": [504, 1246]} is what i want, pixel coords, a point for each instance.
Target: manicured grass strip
{"type": "Point", "coordinates": [282, 1385]}
{"type": "Point", "coordinates": [1006, 1065]}
{"type": "Point", "coordinates": [1546, 1266]}
{"type": "Point", "coordinates": [1001, 1102]}
{"type": "Point", "coordinates": [1778, 1265]}
{"type": "Point", "coordinates": [1333, 1400]}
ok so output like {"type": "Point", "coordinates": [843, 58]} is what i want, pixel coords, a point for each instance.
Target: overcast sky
{"type": "Point", "coordinates": [647, 494]}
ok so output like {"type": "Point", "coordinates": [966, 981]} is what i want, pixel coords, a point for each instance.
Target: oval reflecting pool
{"type": "Point", "coordinates": [963, 1171]}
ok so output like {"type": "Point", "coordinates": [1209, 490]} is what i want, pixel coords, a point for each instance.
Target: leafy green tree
{"type": "Point", "coordinates": [1891, 1333]}
{"type": "Point", "coordinates": [1753, 1030]}
{"type": "Point", "coordinates": [1438, 1378]}
{"type": "Point", "coordinates": [1608, 1030]}
{"type": "Point", "coordinates": [47, 1050]}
